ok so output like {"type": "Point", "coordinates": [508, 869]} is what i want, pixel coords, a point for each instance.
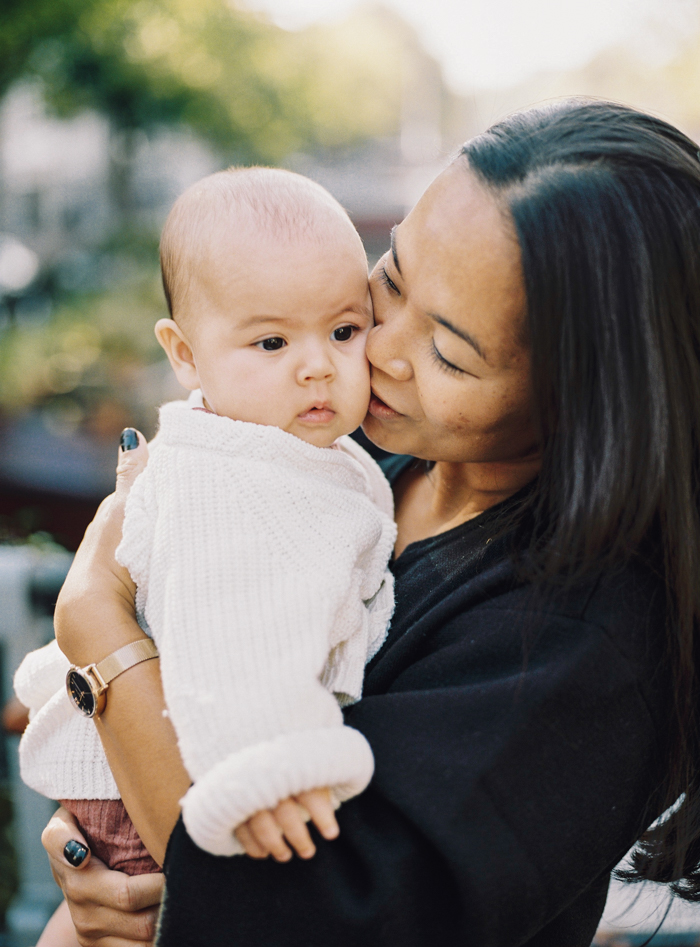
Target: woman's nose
{"type": "Point", "coordinates": [383, 351]}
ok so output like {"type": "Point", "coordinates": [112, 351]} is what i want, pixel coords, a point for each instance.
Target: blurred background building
{"type": "Point", "coordinates": [110, 108]}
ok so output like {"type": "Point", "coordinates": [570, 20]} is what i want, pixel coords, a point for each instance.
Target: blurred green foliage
{"type": "Point", "coordinates": [258, 92]}
{"type": "Point", "coordinates": [85, 365]}
{"type": "Point", "coordinates": [26, 24]}
{"type": "Point", "coordinates": [91, 340]}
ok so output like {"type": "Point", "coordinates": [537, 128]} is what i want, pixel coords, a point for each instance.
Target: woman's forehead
{"type": "Point", "coordinates": [460, 259]}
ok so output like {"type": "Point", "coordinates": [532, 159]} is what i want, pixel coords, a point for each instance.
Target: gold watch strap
{"type": "Point", "coordinates": [124, 658]}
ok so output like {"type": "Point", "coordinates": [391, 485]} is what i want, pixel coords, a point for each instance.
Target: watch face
{"type": "Point", "coordinates": [80, 692]}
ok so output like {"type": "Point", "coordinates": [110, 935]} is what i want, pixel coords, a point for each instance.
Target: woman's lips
{"type": "Point", "coordinates": [320, 415]}
{"type": "Point", "coordinates": [380, 410]}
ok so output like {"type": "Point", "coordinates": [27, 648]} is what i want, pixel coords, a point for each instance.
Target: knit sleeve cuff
{"type": "Point", "coordinates": [261, 776]}
{"type": "Point", "coordinates": [40, 675]}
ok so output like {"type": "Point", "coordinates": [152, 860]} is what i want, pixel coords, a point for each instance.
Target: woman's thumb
{"type": "Point", "coordinates": [64, 841]}
{"type": "Point", "coordinates": [133, 457]}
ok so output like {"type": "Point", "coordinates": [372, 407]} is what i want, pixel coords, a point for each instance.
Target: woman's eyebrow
{"type": "Point", "coordinates": [461, 333]}
{"type": "Point", "coordinates": [393, 250]}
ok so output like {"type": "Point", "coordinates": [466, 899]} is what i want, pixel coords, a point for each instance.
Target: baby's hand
{"type": "Point", "coordinates": [265, 832]}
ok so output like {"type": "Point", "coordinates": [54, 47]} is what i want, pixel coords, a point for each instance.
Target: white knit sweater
{"type": "Point", "coordinates": [261, 570]}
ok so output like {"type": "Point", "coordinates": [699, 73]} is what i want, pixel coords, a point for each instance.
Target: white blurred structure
{"type": "Point", "coordinates": [18, 265]}
{"type": "Point", "coordinates": [53, 173]}
{"type": "Point", "coordinates": [57, 176]}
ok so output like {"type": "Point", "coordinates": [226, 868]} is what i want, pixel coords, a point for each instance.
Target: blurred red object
{"type": "Point", "coordinates": [15, 717]}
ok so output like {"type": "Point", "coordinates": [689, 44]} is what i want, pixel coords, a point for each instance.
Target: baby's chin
{"type": "Point", "coordinates": [319, 438]}
{"type": "Point", "coordinates": [324, 436]}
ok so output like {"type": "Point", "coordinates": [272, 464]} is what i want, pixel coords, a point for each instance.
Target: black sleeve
{"type": "Point", "coordinates": [508, 779]}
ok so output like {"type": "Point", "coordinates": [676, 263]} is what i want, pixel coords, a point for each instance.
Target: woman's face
{"type": "Point", "coordinates": [450, 364]}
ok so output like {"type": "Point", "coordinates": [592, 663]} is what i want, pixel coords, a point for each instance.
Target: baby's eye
{"type": "Point", "coordinates": [272, 344]}
{"type": "Point", "coordinates": [343, 333]}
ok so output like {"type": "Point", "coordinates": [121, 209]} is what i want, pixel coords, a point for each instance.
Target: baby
{"type": "Point", "coordinates": [258, 537]}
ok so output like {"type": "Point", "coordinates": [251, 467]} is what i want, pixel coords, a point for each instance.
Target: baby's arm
{"type": "Point", "coordinates": [257, 726]}
{"type": "Point", "coordinates": [40, 675]}
{"type": "Point", "coordinates": [243, 636]}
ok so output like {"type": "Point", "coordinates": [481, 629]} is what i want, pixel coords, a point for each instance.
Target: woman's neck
{"type": "Point", "coordinates": [465, 490]}
{"type": "Point", "coordinates": [429, 502]}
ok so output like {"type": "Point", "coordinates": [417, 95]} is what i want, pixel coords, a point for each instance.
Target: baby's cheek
{"type": "Point", "coordinates": [361, 384]}
{"type": "Point", "coordinates": [352, 390]}
{"type": "Point", "coordinates": [362, 409]}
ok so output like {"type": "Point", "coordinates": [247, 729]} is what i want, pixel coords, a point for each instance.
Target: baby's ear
{"type": "Point", "coordinates": [179, 352]}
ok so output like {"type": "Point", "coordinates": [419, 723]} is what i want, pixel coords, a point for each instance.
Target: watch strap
{"type": "Point", "coordinates": [124, 658]}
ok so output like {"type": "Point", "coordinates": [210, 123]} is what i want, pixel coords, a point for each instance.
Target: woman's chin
{"type": "Point", "coordinates": [383, 435]}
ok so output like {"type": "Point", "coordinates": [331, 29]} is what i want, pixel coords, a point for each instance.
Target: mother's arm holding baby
{"type": "Point", "coordinates": [96, 610]}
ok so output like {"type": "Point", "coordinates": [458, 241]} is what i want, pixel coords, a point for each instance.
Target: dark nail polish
{"type": "Point", "coordinates": [129, 439]}
{"type": "Point", "coordinates": [74, 853]}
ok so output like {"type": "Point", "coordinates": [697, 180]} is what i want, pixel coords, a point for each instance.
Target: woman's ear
{"type": "Point", "coordinates": [179, 352]}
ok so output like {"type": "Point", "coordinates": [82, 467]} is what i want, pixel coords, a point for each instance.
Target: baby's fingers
{"type": "Point", "coordinates": [291, 820]}
{"type": "Point", "coordinates": [319, 806]}
{"type": "Point", "coordinates": [268, 835]}
{"type": "Point", "coordinates": [249, 842]}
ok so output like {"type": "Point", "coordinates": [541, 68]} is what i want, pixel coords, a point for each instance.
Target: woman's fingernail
{"type": "Point", "coordinates": [129, 439]}
{"type": "Point", "coordinates": [75, 853]}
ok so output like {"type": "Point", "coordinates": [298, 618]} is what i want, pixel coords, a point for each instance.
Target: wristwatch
{"type": "Point", "coordinates": [87, 687]}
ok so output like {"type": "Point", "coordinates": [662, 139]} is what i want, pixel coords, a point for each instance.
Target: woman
{"type": "Point", "coordinates": [533, 710]}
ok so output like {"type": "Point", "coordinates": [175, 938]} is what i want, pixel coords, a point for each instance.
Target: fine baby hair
{"type": "Point", "coordinates": [269, 202]}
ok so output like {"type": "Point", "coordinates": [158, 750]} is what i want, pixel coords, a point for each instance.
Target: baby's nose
{"type": "Point", "coordinates": [316, 366]}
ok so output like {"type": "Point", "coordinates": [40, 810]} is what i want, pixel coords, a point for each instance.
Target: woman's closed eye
{"type": "Point", "coordinates": [443, 363]}
{"type": "Point", "coordinates": [273, 344]}
{"type": "Point", "coordinates": [387, 281]}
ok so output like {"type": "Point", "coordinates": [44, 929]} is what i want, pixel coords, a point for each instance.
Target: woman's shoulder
{"type": "Point", "coordinates": [630, 607]}
{"type": "Point", "coordinates": [614, 598]}
{"type": "Point", "coordinates": [628, 604]}
{"type": "Point", "coordinates": [623, 610]}
{"type": "Point", "coordinates": [487, 614]}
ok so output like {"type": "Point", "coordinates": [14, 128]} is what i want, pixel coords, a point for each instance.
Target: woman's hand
{"type": "Point", "coordinates": [97, 587]}
{"type": "Point", "coordinates": [267, 832]}
{"type": "Point", "coordinates": [108, 908]}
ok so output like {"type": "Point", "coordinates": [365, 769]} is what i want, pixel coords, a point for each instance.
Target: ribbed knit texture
{"type": "Point", "coordinates": [111, 835]}
{"type": "Point", "coordinates": [261, 570]}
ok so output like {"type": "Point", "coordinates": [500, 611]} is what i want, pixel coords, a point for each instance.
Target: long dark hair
{"type": "Point", "coordinates": [605, 202]}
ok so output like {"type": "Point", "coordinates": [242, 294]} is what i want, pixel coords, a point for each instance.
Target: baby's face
{"type": "Point", "coordinates": [278, 333]}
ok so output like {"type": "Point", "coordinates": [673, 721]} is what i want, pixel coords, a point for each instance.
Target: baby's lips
{"type": "Point", "coordinates": [318, 414]}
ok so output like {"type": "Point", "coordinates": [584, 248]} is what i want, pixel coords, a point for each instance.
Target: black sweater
{"type": "Point", "coordinates": [519, 747]}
